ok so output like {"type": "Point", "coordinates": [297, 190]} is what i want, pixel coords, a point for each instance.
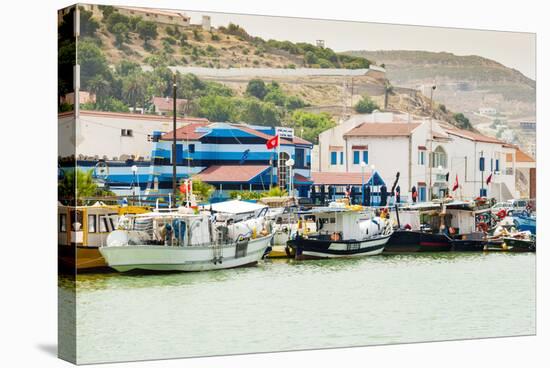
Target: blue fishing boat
{"type": "Point", "coordinates": [525, 222]}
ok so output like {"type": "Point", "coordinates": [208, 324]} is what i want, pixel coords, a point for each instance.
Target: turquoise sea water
{"type": "Point", "coordinates": [289, 305]}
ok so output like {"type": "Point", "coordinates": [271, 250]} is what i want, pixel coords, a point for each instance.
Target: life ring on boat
{"type": "Point", "coordinates": [482, 226]}
{"type": "Point", "coordinates": [335, 236]}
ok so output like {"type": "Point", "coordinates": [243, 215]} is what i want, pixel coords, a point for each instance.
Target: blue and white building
{"type": "Point", "coordinates": [131, 151]}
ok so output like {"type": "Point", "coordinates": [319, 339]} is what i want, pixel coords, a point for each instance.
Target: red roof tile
{"type": "Point", "coordinates": [231, 173]}
{"type": "Point", "coordinates": [301, 179]}
{"type": "Point", "coordinates": [328, 178]}
{"type": "Point", "coordinates": [187, 132]}
{"type": "Point", "coordinates": [166, 103]}
{"type": "Point", "coordinates": [520, 157]}
{"type": "Point", "coordinates": [383, 129]}
{"type": "Point", "coordinates": [473, 136]}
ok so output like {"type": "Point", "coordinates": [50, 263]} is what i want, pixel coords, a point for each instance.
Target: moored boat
{"type": "Point", "coordinates": [403, 241]}
{"type": "Point", "coordinates": [83, 229]}
{"type": "Point", "coordinates": [187, 241]}
{"type": "Point", "coordinates": [342, 232]}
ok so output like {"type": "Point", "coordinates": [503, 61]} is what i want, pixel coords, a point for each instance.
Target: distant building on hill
{"type": "Point", "coordinates": [158, 16]}
{"type": "Point", "coordinates": [165, 105]}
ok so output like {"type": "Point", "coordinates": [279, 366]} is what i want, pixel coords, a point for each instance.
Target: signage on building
{"type": "Point", "coordinates": [285, 132]}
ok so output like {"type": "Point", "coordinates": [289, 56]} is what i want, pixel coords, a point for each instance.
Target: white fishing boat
{"type": "Point", "coordinates": [342, 232]}
{"type": "Point", "coordinates": [184, 240]}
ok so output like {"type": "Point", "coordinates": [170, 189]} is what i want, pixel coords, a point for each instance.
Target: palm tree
{"type": "Point", "coordinates": [78, 184]}
{"type": "Point", "coordinates": [133, 88]}
{"type": "Point", "coordinates": [99, 87]}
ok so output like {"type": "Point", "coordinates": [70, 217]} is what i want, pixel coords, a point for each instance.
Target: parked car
{"type": "Point", "coordinates": [497, 207]}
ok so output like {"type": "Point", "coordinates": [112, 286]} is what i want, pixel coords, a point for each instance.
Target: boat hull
{"type": "Point", "coordinates": [519, 245]}
{"type": "Point", "coordinates": [87, 258]}
{"type": "Point", "coordinates": [404, 241]}
{"type": "Point", "coordinates": [460, 245]}
{"type": "Point", "coordinates": [281, 251]}
{"type": "Point", "coordinates": [189, 258]}
{"type": "Point", "coordinates": [313, 248]}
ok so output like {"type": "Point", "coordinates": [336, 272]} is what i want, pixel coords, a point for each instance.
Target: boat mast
{"type": "Point", "coordinates": [430, 155]}
{"type": "Point", "coordinates": [174, 164]}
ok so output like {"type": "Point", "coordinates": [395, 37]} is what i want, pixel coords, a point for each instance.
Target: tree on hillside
{"type": "Point", "coordinates": [99, 87]}
{"type": "Point", "coordinates": [147, 30]}
{"type": "Point", "coordinates": [133, 88]}
{"type": "Point", "coordinates": [120, 30]}
{"type": "Point", "coordinates": [366, 105]}
{"type": "Point", "coordinates": [257, 112]}
{"type": "Point", "coordinates": [92, 62]}
{"type": "Point", "coordinates": [462, 121]}
{"type": "Point", "coordinates": [311, 123]}
{"type": "Point", "coordinates": [217, 108]}
{"type": "Point", "coordinates": [88, 25]}
{"type": "Point", "coordinates": [256, 88]}
{"type": "Point", "coordinates": [126, 67]}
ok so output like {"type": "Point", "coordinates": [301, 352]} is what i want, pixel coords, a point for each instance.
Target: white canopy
{"type": "Point", "coordinates": [235, 207]}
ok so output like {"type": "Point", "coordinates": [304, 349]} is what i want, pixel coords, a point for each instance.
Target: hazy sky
{"type": "Point", "coordinates": [513, 49]}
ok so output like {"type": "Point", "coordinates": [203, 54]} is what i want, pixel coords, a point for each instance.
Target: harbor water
{"type": "Point", "coordinates": [289, 305]}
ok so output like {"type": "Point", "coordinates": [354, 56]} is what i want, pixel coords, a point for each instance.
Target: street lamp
{"type": "Point", "coordinates": [290, 163]}
{"type": "Point", "coordinates": [363, 166]}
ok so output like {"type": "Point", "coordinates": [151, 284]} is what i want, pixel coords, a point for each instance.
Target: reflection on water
{"type": "Point", "coordinates": [287, 304]}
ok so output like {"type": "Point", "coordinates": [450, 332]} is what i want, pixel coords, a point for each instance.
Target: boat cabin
{"type": "Point", "coordinates": [336, 223]}
{"type": "Point", "coordinates": [454, 217]}
{"type": "Point", "coordinates": [86, 225]}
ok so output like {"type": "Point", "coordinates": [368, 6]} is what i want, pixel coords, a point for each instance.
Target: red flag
{"type": "Point", "coordinates": [272, 143]}
{"type": "Point", "coordinates": [455, 185]}
{"type": "Point", "coordinates": [489, 179]}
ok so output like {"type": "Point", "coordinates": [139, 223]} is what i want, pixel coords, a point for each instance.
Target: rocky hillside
{"type": "Point", "coordinates": [126, 37]}
{"type": "Point", "coordinates": [465, 83]}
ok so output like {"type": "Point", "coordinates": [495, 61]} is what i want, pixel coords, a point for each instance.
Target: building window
{"type": "Point", "coordinates": [104, 222]}
{"type": "Point", "coordinates": [126, 132]}
{"type": "Point", "coordinates": [366, 157]}
{"type": "Point", "coordinates": [341, 158]}
{"type": "Point", "coordinates": [333, 158]}
{"type": "Point", "coordinates": [91, 223]}
{"type": "Point", "coordinates": [282, 174]}
{"type": "Point", "coordinates": [192, 148]}
{"type": "Point", "coordinates": [62, 223]}
{"type": "Point", "coordinates": [421, 157]}
{"type": "Point", "coordinates": [356, 157]}
{"type": "Point", "coordinates": [299, 157]}
{"type": "Point", "coordinates": [497, 165]}
{"type": "Point", "coordinates": [439, 157]}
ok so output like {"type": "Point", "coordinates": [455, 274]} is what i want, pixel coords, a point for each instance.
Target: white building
{"type": "Point", "coordinates": [113, 136]}
{"type": "Point", "coordinates": [391, 143]}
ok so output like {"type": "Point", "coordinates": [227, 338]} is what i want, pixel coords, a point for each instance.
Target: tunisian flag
{"type": "Point", "coordinates": [489, 179]}
{"type": "Point", "coordinates": [272, 143]}
{"type": "Point", "coordinates": [455, 185]}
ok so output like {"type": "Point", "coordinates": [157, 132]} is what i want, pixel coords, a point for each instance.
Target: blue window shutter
{"type": "Point", "coordinates": [333, 158]}
{"type": "Point", "coordinates": [355, 157]}
{"type": "Point", "coordinates": [366, 156]}
{"type": "Point", "coordinates": [341, 158]}
{"type": "Point", "coordinates": [497, 165]}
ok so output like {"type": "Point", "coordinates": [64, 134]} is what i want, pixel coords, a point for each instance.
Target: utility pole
{"type": "Point", "coordinates": [431, 155]}
{"type": "Point", "coordinates": [174, 163]}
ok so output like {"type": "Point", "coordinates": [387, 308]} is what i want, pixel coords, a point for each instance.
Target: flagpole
{"type": "Point", "coordinates": [278, 150]}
